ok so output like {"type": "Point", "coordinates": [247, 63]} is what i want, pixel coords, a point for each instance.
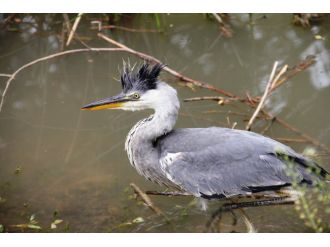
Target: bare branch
{"type": "Point", "coordinates": [167, 69]}
{"type": "Point", "coordinates": [12, 76]}
{"type": "Point", "coordinates": [301, 66]}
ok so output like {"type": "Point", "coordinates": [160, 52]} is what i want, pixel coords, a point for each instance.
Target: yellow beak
{"type": "Point", "coordinates": [108, 103]}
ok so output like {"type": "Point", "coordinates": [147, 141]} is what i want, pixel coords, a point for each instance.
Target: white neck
{"type": "Point", "coordinates": [166, 105]}
{"type": "Point", "coordinates": [140, 139]}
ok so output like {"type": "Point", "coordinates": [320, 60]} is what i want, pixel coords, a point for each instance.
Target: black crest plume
{"type": "Point", "coordinates": [145, 78]}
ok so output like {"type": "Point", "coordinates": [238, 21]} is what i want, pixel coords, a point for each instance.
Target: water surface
{"type": "Point", "coordinates": [55, 157]}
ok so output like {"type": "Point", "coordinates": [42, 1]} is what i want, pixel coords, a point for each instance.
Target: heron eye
{"type": "Point", "coordinates": [136, 96]}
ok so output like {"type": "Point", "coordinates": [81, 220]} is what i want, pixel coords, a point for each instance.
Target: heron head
{"type": "Point", "coordinates": [140, 90]}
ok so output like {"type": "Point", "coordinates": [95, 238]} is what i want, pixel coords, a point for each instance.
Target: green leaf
{"type": "Point", "coordinates": [53, 226]}
{"type": "Point", "coordinates": [2, 228]}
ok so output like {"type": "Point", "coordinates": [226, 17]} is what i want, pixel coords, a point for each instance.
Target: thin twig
{"type": "Point", "coordinates": [12, 76]}
{"type": "Point", "coordinates": [263, 98]}
{"type": "Point", "coordinates": [301, 66]}
{"type": "Point", "coordinates": [146, 199]}
{"type": "Point", "coordinates": [5, 75]}
{"type": "Point", "coordinates": [221, 100]}
{"type": "Point", "coordinates": [69, 30]}
{"type": "Point", "coordinates": [167, 69]}
{"type": "Point", "coordinates": [271, 83]}
{"type": "Point", "coordinates": [74, 28]}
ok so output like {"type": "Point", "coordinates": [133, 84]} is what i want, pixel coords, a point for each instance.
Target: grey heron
{"type": "Point", "coordinates": [209, 162]}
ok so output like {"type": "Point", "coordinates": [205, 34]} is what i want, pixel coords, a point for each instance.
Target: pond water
{"type": "Point", "coordinates": [57, 159]}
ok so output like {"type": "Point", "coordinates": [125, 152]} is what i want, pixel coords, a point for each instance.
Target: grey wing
{"type": "Point", "coordinates": [222, 162]}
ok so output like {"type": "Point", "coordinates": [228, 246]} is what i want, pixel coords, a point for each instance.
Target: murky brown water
{"type": "Point", "coordinates": [74, 162]}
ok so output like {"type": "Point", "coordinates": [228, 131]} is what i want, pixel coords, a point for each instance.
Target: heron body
{"type": "Point", "coordinates": [205, 162]}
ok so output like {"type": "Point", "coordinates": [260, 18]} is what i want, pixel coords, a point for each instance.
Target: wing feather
{"type": "Point", "coordinates": [218, 162]}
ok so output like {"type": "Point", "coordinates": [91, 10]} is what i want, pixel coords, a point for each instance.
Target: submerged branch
{"type": "Point", "coordinates": [146, 199]}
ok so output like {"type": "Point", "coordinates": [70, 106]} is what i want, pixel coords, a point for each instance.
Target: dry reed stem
{"type": "Point", "coordinates": [263, 98]}
{"type": "Point", "coordinates": [74, 28]}
{"type": "Point", "coordinates": [271, 83]}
